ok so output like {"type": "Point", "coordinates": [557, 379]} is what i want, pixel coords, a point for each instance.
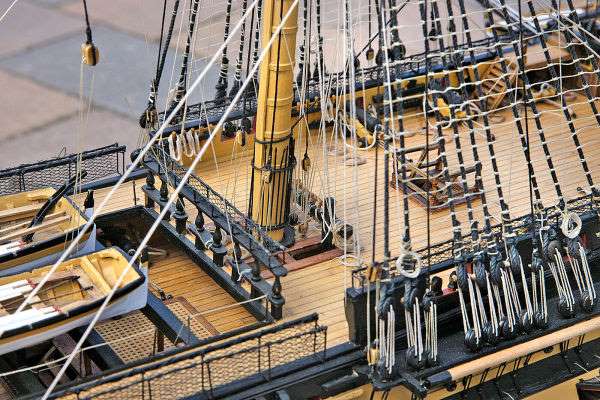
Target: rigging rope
{"type": "Point", "coordinates": [238, 67]}
{"type": "Point", "coordinates": [221, 87]}
{"type": "Point", "coordinates": [173, 197]}
{"type": "Point", "coordinates": [149, 117]}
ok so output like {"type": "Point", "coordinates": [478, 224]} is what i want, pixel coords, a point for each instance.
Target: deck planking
{"type": "Point", "coordinates": [320, 288]}
{"type": "Point", "coordinates": [178, 275]}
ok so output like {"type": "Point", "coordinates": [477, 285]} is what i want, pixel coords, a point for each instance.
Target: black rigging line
{"type": "Point", "coordinates": [165, 46]}
{"type": "Point", "coordinates": [428, 199]}
{"type": "Point", "coordinates": [88, 29]}
{"type": "Point", "coordinates": [237, 81]}
{"type": "Point", "coordinates": [377, 35]}
{"type": "Point", "coordinates": [375, 182]}
{"type": "Point", "coordinates": [574, 17]}
{"type": "Point", "coordinates": [306, 69]}
{"type": "Point", "coordinates": [257, 43]}
{"type": "Point", "coordinates": [320, 44]}
{"type": "Point", "coordinates": [221, 86]}
{"type": "Point", "coordinates": [301, 54]}
{"type": "Point", "coordinates": [456, 228]}
{"type": "Point", "coordinates": [160, 41]}
{"type": "Point", "coordinates": [182, 84]}
{"type": "Point", "coordinates": [528, 100]}
{"type": "Point", "coordinates": [386, 175]}
{"type": "Point", "coordinates": [522, 47]}
{"type": "Point", "coordinates": [515, 111]}
{"type": "Point", "coordinates": [149, 116]}
{"type": "Point", "coordinates": [505, 215]}
{"type": "Point", "coordinates": [456, 134]}
{"type": "Point", "coordinates": [395, 95]}
{"type": "Point", "coordinates": [478, 266]}
{"type": "Point", "coordinates": [249, 88]}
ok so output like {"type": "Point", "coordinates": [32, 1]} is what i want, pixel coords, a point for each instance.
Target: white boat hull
{"type": "Point", "coordinates": [133, 300]}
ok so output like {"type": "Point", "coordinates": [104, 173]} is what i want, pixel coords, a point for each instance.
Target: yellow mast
{"type": "Point", "coordinates": [273, 120]}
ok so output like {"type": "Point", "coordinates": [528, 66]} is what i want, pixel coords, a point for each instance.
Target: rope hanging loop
{"type": "Point", "coordinates": [571, 225]}
{"type": "Point", "coordinates": [409, 264]}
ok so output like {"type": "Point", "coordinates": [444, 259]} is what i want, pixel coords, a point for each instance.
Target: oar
{"type": "Point", "coordinates": [85, 289]}
{"type": "Point", "coordinates": [70, 278]}
{"type": "Point", "coordinates": [51, 202]}
{"type": "Point", "coordinates": [34, 229]}
{"type": "Point", "coordinates": [25, 224]}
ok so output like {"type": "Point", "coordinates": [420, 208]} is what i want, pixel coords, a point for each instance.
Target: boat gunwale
{"type": "Point", "coordinates": [48, 243]}
{"type": "Point", "coordinates": [62, 316]}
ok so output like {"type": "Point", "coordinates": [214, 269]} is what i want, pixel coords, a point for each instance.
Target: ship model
{"type": "Point", "coordinates": [411, 214]}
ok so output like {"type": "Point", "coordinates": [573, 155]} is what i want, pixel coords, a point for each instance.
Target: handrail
{"type": "Point", "coordinates": [234, 215]}
{"type": "Point", "coordinates": [96, 162]}
{"type": "Point", "coordinates": [277, 345]}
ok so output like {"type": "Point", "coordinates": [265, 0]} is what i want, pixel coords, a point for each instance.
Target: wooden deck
{"type": "Point", "coordinates": [179, 276]}
{"type": "Point", "coordinates": [320, 288]}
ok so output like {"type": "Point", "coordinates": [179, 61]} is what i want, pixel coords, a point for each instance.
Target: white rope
{"type": "Point", "coordinates": [8, 9]}
{"type": "Point", "coordinates": [172, 199]}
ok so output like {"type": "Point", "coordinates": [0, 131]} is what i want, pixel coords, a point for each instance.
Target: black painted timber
{"type": "Point", "coordinates": [178, 354]}
{"type": "Point", "coordinates": [240, 235]}
{"type": "Point", "coordinates": [23, 383]}
{"type": "Point", "coordinates": [215, 272]}
{"type": "Point", "coordinates": [167, 322]}
{"type": "Point", "coordinates": [102, 354]}
{"type": "Point", "coordinates": [305, 376]}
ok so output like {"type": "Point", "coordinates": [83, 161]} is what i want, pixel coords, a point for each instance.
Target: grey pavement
{"type": "Point", "coordinates": [41, 75]}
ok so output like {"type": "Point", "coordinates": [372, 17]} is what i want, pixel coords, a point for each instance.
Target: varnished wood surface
{"type": "Point", "coordinates": [178, 275]}
{"type": "Point", "coordinates": [320, 288]}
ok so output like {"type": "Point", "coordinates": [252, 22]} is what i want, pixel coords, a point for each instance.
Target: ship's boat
{"type": "Point", "coordinates": [22, 243]}
{"type": "Point", "coordinates": [69, 299]}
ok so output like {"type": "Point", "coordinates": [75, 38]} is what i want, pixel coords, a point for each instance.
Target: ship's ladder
{"type": "Point", "coordinates": [493, 84]}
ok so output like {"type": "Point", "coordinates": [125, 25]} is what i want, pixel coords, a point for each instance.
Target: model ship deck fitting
{"type": "Point", "coordinates": [373, 199]}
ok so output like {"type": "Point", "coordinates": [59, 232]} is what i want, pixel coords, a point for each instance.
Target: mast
{"type": "Point", "coordinates": [273, 150]}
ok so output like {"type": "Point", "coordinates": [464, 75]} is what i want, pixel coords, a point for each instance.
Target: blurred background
{"type": "Point", "coordinates": [53, 105]}
{"type": "Point", "coordinates": [45, 92]}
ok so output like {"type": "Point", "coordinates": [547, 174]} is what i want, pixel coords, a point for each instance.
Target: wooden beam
{"type": "Point", "coordinates": [25, 382]}
{"type": "Point", "coordinates": [167, 322]}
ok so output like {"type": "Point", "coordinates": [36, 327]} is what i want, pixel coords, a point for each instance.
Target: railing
{"type": "Point", "coordinates": [99, 163]}
{"type": "Point", "coordinates": [234, 215]}
{"type": "Point", "coordinates": [441, 254]}
{"type": "Point", "coordinates": [211, 111]}
{"type": "Point", "coordinates": [244, 233]}
{"type": "Point", "coordinates": [216, 370]}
